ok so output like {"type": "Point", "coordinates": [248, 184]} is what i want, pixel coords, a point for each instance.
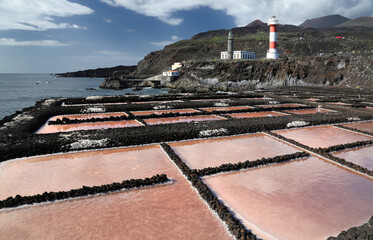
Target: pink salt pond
{"type": "Point", "coordinates": [281, 105]}
{"type": "Point", "coordinates": [361, 156]}
{"type": "Point", "coordinates": [309, 111]}
{"type": "Point", "coordinates": [363, 126]}
{"type": "Point", "coordinates": [87, 126]}
{"type": "Point", "coordinates": [302, 199]}
{"type": "Point", "coordinates": [88, 116]}
{"type": "Point", "coordinates": [169, 101]}
{"type": "Point", "coordinates": [323, 136]}
{"type": "Point", "coordinates": [226, 108]}
{"type": "Point", "coordinates": [199, 154]}
{"type": "Point", "coordinates": [160, 112]}
{"type": "Point", "coordinates": [155, 121]}
{"type": "Point", "coordinates": [172, 211]}
{"type": "Point", "coordinates": [256, 114]}
{"type": "Point", "coordinates": [338, 103]}
{"type": "Point", "coordinates": [63, 172]}
{"type": "Point", "coordinates": [211, 100]}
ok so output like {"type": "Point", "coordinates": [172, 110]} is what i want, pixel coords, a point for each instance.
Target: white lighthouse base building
{"type": "Point", "coordinates": [238, 55]}
{"type": "Point", "coordinates": [272, 54]}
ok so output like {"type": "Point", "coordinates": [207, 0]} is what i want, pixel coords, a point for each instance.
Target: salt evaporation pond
{"type": "Point", "coordinates": [363, 126]}
{"type": "Point", "coordinates": [361, 156]}
{"type": "Point", "coordinates": [309, 111]}
{"type": "Point", "coordinates": [63, 172]}
{"type": "Point", "coordinates": [323, 136]}
{"type": "Point", "coordinates": [302, 199]}
{"type": "Point", "coordinates": [168, 101]}
{"type": "Point", "coordinates": [87, 126]}
{"type": "Point", "coordinates": [172, 211]}
{"type": "Point", "coordinates": [88, 116]}
{"type": "Point", "coordinates": [256, 114]}
{"type": "Point", "coordinates": [160, 112]}
{"type": "Point", "coordinates": [281, 105]}
{"type": "Point", "coordinates": [155, 121]}
{"type": "Point", "coordinates": [338, 103]}
{"type": "Point", "coordinates": [199, 154]}
{"type": "Point", "coordinates": [226, 108]}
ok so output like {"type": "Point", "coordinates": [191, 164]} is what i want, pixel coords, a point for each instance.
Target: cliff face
{"type": "Point", "coordinates": [203, 76]}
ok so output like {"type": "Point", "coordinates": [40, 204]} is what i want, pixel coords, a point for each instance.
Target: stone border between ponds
{"type": "Point", "coordinates": [234, 225]}
{"type": "Point", "coordinates": [249, 164]}
{"type": "Point", "coordinates": [18, 200]}
{"type": "Point", "coordinates": [325, 154]}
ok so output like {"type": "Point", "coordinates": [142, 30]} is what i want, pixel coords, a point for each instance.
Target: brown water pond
{"type": "Point", "coordinates": [87, 126]}
{"type": "Point", "coordinates": [163, 212]}
{"type": "Point", "coordinates": [256, 114]}
{"type": "Point", "coordinates": [198, 154]}
{"type": "Point", "coordinates": [226, 108]}
{"type": "Point", "coordinates": [302, 199]}
{"type": "Point", "coordinates": [309, 111]}
{"type": "Point", "coordinates": [155, 121]}
{"type": "Point", "coordinates": [63, 172]}
{"type": "Point", "coordinates": [364, 126]}
{"type": "Point", "coordinates": [88, 116]}
{"type": "Point", "coordinates": [361, 156]}
{"type": "Point", "coordinates": [160, 112]}
{"type": "Point", "coordinates": [323, 136]}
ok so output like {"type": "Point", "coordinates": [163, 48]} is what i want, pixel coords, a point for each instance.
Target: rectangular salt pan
{"type": "Point", "coordinates": [309, 111]}
{"type": "Point", "coordinates": [302, 199]}
{"type": "Point", "coordinates": [199, 154]}
{"type": "Point", "coordinates": [163, 212]}
{"type": "Point", "coordinates": [226, 108]}
{"type": "Point", "coordinates": [35, 175]}
{"type": "Point", "coordinates": [363, 126]}
{"type": "Point", "coordinates": [323, 136]}
{"type": "Point", "coordinates": [155, 121]}
{"type": "Point", "coordinates": [281, 105]}
{"type": "Point", "coordinates": [256, 114]}
{"type": "Point", "coordinates": [360, 156]}
{"type": "Point", "coordinates": [87, 126]}
{"type": "Point", "coordinates": [160, 112]}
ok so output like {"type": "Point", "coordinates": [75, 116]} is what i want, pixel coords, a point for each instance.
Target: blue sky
{"type": "Point", "coordinates": [49, 36]}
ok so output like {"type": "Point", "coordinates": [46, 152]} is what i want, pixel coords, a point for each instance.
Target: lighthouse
{"type": "Point", "coordinates": [230, 45]}
{"type": "Point", "coordinates": [272, 52]}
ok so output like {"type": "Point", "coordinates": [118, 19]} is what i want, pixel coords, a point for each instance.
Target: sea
{"type": "Point", "coordinates": [18, 91]}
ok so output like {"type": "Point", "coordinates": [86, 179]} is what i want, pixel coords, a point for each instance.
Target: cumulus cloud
{"type": "Point", "coordinates": [245, 11]}
{"type": "Point", "coordinates": [38, 14]}
{"type": "Point", "coordinates": [38, 43]}
{"type": "Point", "coordinates": [167, 42]}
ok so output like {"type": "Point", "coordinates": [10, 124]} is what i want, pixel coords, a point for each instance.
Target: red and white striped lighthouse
{"type": "Point", "coordinates": [272, 52]}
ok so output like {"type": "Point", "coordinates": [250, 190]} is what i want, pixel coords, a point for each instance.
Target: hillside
{"type": "Point", "coordinates": [99, 72]}
{"type": "Point", "coordinates": [326, 21]}
{"type": "Point", "coordinates": [292, 42]}
{"type": "Point", "coordinates": [358, 22]}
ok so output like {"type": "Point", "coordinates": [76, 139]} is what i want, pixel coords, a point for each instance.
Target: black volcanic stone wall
{"type": "Point", "coordinates": [323, 152]}
{"type": "Point", "coordinates": [84, 191]}
{"type": "Point", "coordinates": [234, 225]}
{"type": "Point", "coordinates": [249, 164]}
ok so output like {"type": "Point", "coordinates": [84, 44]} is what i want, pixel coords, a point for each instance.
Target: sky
{"type": "Point", "coordinates": [54, 36]}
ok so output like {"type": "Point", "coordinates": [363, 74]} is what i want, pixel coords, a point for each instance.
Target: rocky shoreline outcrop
{"type": "Point", "coordinates": [233, 76]}
{"type": "Point", "coordinates": [100, 72]}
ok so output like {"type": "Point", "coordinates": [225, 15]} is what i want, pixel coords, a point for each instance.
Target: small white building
{"type": "Point", "coordinates": [238, 55]}
{"type": "Point", "coordinates": [177, 65]}
{"type": "Point", "coordinates": [171, 74]}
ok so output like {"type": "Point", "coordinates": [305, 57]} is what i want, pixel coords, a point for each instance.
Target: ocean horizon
{"type": "Point", "coordinates": [21, 90]}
